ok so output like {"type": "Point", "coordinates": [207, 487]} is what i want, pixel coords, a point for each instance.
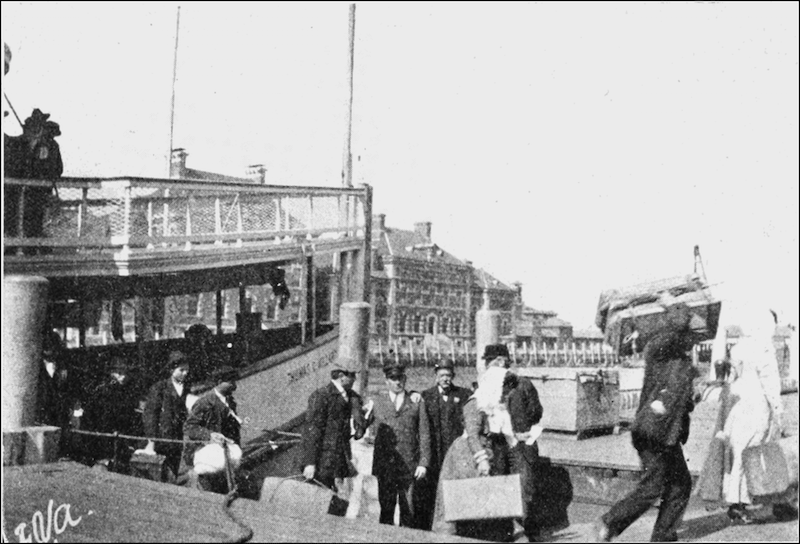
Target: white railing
{"type": "Point", "coordinates": [141, 215]}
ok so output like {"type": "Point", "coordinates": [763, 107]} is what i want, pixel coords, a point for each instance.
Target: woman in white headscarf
{"type": "Point", "coordinates": [753, 407]}
{"type": "Point", "coordinates": [482, 450]}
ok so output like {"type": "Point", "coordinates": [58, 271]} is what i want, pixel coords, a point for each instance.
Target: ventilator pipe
{"type": "Point", "coordinates": [24, 315]}
{"type": "Point", "coordinates": [354, 340]}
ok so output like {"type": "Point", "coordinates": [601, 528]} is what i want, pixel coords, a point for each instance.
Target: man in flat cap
{"type": "Point", "coordinates": [443, 404]}
{"type": "Point", "coordinates": [402, 452]}
{"type": "Point", "coordinates": [213, 418]}
{"type": "Point", "coordinates": [335, 415]}
{"type": "Point", "coordinates": [165, 411]}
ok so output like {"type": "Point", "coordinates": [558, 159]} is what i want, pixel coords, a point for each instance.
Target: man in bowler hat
{"type": "Point", "coordinates": [335, 415]}
{"type": "Point", "coordinates": [443, 404]}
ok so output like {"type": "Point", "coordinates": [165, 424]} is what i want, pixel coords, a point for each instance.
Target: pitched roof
{"type": "Point", "coordinates": [484, 280]}
{"type": "Point", "coordinates": [587, 334]}
{"type": "Point", "coordinates": [406, 244]}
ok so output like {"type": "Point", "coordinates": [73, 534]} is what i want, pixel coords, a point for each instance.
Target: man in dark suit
{"type": "Point", "coordinates": [660, 426]}
{"type": "Point", "coordinates": [402, 451]}
{"type": "Point", "coordinates": [165, 412]}
{"type": "Point", "coordinates": [213, 419]}
{"type": "Point", "coordinates": [57, 393]}
{"type": "Point", "coordinates": [443, 404]}
{"type": "Point", "coordinates": [525, 410]}
{"type": "Point", "coordinates": [334, 416]}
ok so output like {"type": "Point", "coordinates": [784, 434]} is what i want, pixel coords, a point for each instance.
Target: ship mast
{"type": "Point", "coordinates": [347, 168]}
{"type": "Point", "coordinates": [172, 105]}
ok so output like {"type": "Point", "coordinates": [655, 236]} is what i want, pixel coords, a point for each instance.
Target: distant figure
{"type": "Point", "coordinates": [660, 426]}
{"type": "Point", "coordinates": [483, 450]}
{"type": "Point", "coordinates": [57, 392]}
{"type": "Point", "coordinates": [402, 451]}
{"type": "Point", "coordinates": [165, 412]}
{"type": "Point", "coordinates": [443, 403]}
{"type": "Point", "coordinates": [34, 154]}
{"type": "Point", "coordinates": [334, 416]}
{"type": "Point", "coordinates": [213, 418]}
{"type": "Point", "coordinates": [203, 357]}
{"type": "Point", "coordinates": [111, 408]}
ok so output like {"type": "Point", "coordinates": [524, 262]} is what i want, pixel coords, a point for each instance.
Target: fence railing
{"type": "Point", "coordinates": [563, 354]}
{"type": "Point", "coordinates": [143, 214]}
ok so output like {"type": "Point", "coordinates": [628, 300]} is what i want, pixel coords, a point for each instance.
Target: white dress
{"type": "Point", "coordinates": [754, 401]}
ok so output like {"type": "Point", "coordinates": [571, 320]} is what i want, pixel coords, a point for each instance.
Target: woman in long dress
{"type": "Point", "coordinates": [753, 405]}
{"type": "Point", "coordinates": [482, 450]}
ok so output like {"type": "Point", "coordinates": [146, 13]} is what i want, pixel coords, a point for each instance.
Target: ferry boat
{"type": "Point", "coordinates": [143, 240]}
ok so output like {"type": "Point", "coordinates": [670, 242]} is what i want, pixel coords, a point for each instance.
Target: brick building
{"type": "Point", "coordinates": [421, 291]}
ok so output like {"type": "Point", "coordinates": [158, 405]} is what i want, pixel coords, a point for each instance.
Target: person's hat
{"type": "Point", "coordinates": [394, 370]}
{"type": "Point", "coordinates": [119, 365]}
{"type": "Point", "coordinates": [493, 351]}
{"type": "Point", "coordinates": [445, 365]}
{"type": "Point", "coordinates": [345, 365]}
{"type": "Point", "coordinates": [224, 374]}
{"type": "Point", "coordinates": [52, 344]}
{"type": "Point", "coordinates": [176, 359]}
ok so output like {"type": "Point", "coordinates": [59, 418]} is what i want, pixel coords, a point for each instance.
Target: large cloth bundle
{"type": "Point", "coordinates": [641, 308]}
{"type": "Point", "coordinates": [210, 459]}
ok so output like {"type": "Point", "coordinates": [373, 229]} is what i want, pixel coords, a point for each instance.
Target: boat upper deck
{"type": "Point", "coordinates": [130, 226]}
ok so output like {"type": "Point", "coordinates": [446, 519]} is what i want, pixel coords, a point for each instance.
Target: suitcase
{"type": "Point", "coordinates": [149, 467]}
{"type": "Point", "coordinates": [490, 497]}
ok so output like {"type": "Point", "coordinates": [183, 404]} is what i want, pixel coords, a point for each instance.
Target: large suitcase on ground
{"type": "Point", "coordinates": [490, 497]}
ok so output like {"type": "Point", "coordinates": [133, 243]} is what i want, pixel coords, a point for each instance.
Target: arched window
{"type": "Point", "coordinates": [445, 324]}
{"type": "Point", "coordinates": [431, 328]}
{"type": "Point", "coordinates": [401, 324]}
{"type": "Point", "coordinates": [417, 323]}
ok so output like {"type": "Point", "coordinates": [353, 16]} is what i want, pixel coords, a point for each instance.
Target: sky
{"type": "Point", "coordinates": [574, 147]}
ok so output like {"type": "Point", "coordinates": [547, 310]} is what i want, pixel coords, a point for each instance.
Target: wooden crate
{"type": "Point", "coordinates": [149, 467]}
{"type": "Point", "coordinates": [576, 399]}
{"type": "Point", "coordinates": [491, 497]}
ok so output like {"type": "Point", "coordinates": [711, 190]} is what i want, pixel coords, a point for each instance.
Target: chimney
{"type": "Point", "coordinates": [518, 287]}
{"type": "Point", "coordinates": [177, 163]}
{"type": "Point", "coordinates": [257, 174]}
{"type": "Point", "coordinates": [423, 230]}
{"type": "Point", "coordinates": [379, 222]}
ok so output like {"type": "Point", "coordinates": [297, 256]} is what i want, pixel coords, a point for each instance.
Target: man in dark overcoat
{"type": "Point", "coordinates": [660, 426]}
{"type": "Point", "coordinates": [402, 451]}
{"type": "Point", "coordinates": [165, 412]}
{"type": "Point", "coordinates": [334, 416]}
{"type": "Point", "coordinates": [443, 403]}
{"type": "Point", "coordinates": [213, 418]}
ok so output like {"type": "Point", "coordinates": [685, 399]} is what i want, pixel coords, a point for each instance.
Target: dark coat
{"type": "Point", "coordinates": [445, 420]}
{"type": "Point", "coordinates": [56, 398]}
{"type": "Point", "coordinates": [209, 415]}
{"type": "Point", "coordinates": [326, 436]}
{"type": "Point", "coordinates": [165, 412]}
{"type": "Point", "coordinates": [402, 438]}
{"type": "Point", "coordinates": [668, 377]}
{"type": "Point", "coordinates": [524, 406]}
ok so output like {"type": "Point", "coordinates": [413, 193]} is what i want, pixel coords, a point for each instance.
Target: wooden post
{"type": "Point", "coordinates": [536, 354]}
{"type": "Point", "coordinates": [453, 351]}
{"type": "Point", "coordinates": [546, 356]}
{"type": "Point", "coordinates": [380, 351]}
{"type": "Point", "coordinates": [411, 350]}
{"type": "Point", "coordinates": [425, 351]}
{"type": "Point", "coordinates": [396, 354]}
{"type": "Point", "coordinates": [574, 355]}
